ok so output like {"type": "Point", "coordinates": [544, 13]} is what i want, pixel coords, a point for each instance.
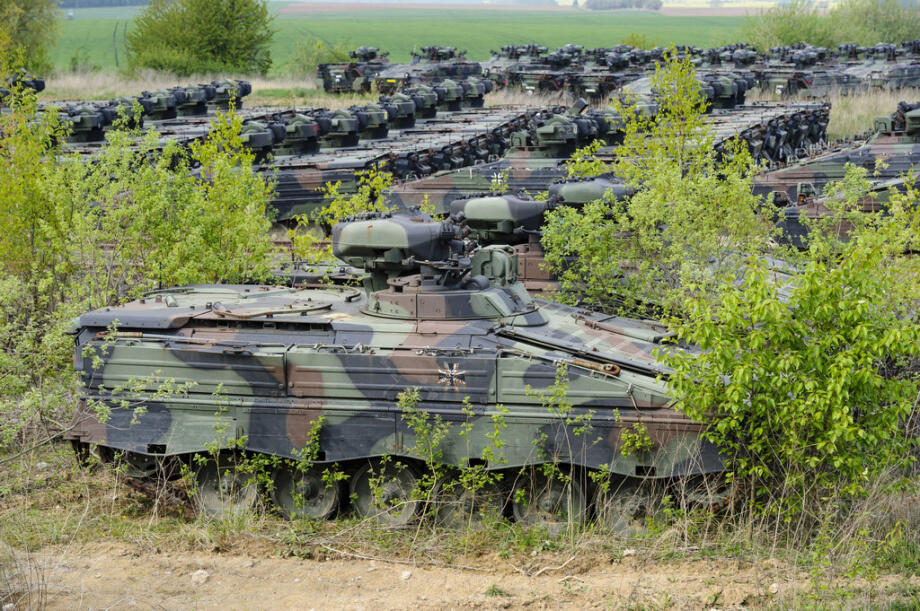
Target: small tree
{"type": "Point", "coordinates": [868, 22]}
{"type": "Point", "coordinates": [691, 222]}
{"type": "Point", "coordinates": [199, 36]}
{"type": "Point", "coordinates": [861, 21]}
{"type": "Point", "coordinates": [31, 25]}
{"type": "Point", "coordinates": [311, 52]}
{"type": "Point", "coordinates": [808, 388]}
{"type": "Point", "coordinates": [76, 236]}
{"type": "Point", "coordinates": [789, 23]}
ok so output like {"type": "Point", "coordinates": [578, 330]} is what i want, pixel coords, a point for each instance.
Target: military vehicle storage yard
{"type": "Point", "coordinates": [279, 465]}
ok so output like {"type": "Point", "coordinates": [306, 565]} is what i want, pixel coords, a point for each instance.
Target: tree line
{"type": "Point", "coordinates": [606, 5]}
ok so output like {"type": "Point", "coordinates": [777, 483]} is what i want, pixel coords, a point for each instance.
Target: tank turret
{"type": "Point", "coordinates": [421, 268]}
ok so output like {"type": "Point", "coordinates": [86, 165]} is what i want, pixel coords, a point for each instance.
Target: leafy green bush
{"type": "Point", "coordinates": [312, 52]}
{"type": "Point", "coordinates": [861, 21]}
{"type": "Point", "coordinates": [808, 391]}
{"type": "Point", "coordinates": [202, 36]}
{"type": "Point", "coordinates": [688, 224]}
{"type": "Point", "coordinates": [639, 40]}
{"type": "Point", "coordinates": [790, 23]}
{"type": "Point", "coordinates": [31, 25]}
{"type": "Point", "coordinates": [871, 21]}
{"type": "Point", "coordinates": [76, 236]}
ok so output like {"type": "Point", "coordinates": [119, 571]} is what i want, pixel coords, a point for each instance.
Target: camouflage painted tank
{"type": "Point", "coordinates": [356, 75]}
{"type": "Point", "coordinates": [432, 64]}
{"type": "Point", "coordinates": [794, 219]}
{"type": "Point", "coordinates": [309, 378]}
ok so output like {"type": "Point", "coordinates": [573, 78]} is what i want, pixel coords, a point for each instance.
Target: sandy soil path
{"type": "Point", "coordinates": [120, 575]}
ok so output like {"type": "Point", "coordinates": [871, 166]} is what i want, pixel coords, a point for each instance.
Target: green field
{"type": "Point", "coordinates": [400, 30]}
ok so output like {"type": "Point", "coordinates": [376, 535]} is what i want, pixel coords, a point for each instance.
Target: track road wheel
{"type": "Point", "coordinates": [224, 490]}
{"type": "Point", "coordinates": [382, 490]}
{"type": "Point", "coordinates": [140, 466]}
{"type": "Point", "coordinates": [625, 509]}
{"type": "Point", "coordinates": [303, 493]}
{"type": "Point", "coordinates": [462, 508]}
{"type": "Point", "coordinates": [551, 502]}
{"type": "Point", "coordinates": [710, 492]}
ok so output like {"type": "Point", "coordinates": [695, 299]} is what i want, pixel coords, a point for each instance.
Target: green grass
{"type": "Point", "coordinates": [401, 30]}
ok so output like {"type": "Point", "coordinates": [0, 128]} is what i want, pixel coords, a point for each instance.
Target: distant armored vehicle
{"type": "Point", "coordinates": [893, 149]}
{"type": "Point", "coordinates": [430, 65]}
{"type": "Point", "coordinates": [356, 75]}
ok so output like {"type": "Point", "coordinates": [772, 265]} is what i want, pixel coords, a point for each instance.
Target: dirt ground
{"type": "Point", "coordinates": [107, 575]}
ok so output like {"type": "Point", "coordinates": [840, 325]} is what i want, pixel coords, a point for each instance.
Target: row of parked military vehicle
{"type": "Point", "coordinates": [726, 72]}
{"type": "Point", "coordinates": [437, 150]}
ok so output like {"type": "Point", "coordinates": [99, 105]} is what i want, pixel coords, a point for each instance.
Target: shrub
{"type": "Point", "coordinates": [688, 224]}
{"type": "Point", "coordinates": [861, 21]}
{"type": "Point", "coordinates": [31, 25]}
{"type": "Point", "coordinates": [77, 236]}
{"type": "Point", "coordinates": [199, 36]}
{"type": "Point", "coordinates": [312, 52]}
{"type": "Point", "coordinates": [808, 388]}
{"type": "Point", "coordinates": [871, 21]}
{"type": "Point", "coordinates": [790, 23]}
{"type": "Point", "coordinates": [639, 40]}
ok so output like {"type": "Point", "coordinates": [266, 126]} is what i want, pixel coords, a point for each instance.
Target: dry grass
{"type": "Point", "coordinates": [854, 114]}
{"type": "Point", "coordinates": [518, 97]}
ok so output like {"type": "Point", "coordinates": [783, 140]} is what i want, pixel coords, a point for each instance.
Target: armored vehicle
{"type": "Point", "coordinates": [432, 64]}
{"type": "Point", "coordinates": [794, 220]}
{"type": "Point", "coordinates": [503, 62]}
{"type": "Point", "coordinates": [21, 78]}
{"type": "Point", "coordinates": [895, 141]}
{"type": "Point", "coordinates": [310, 378]}
{"type": "Point", "coordinates": [356, 75]}
{"type": "Point", "coordinates": [90, 119]}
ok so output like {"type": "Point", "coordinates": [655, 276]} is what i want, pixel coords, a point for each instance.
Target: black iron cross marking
{"type": "Point", "coordinates": [452, 376]}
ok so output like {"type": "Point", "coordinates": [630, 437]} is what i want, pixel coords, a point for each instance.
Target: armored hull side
{"type": "Point", "coordinates": [259, 365]}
